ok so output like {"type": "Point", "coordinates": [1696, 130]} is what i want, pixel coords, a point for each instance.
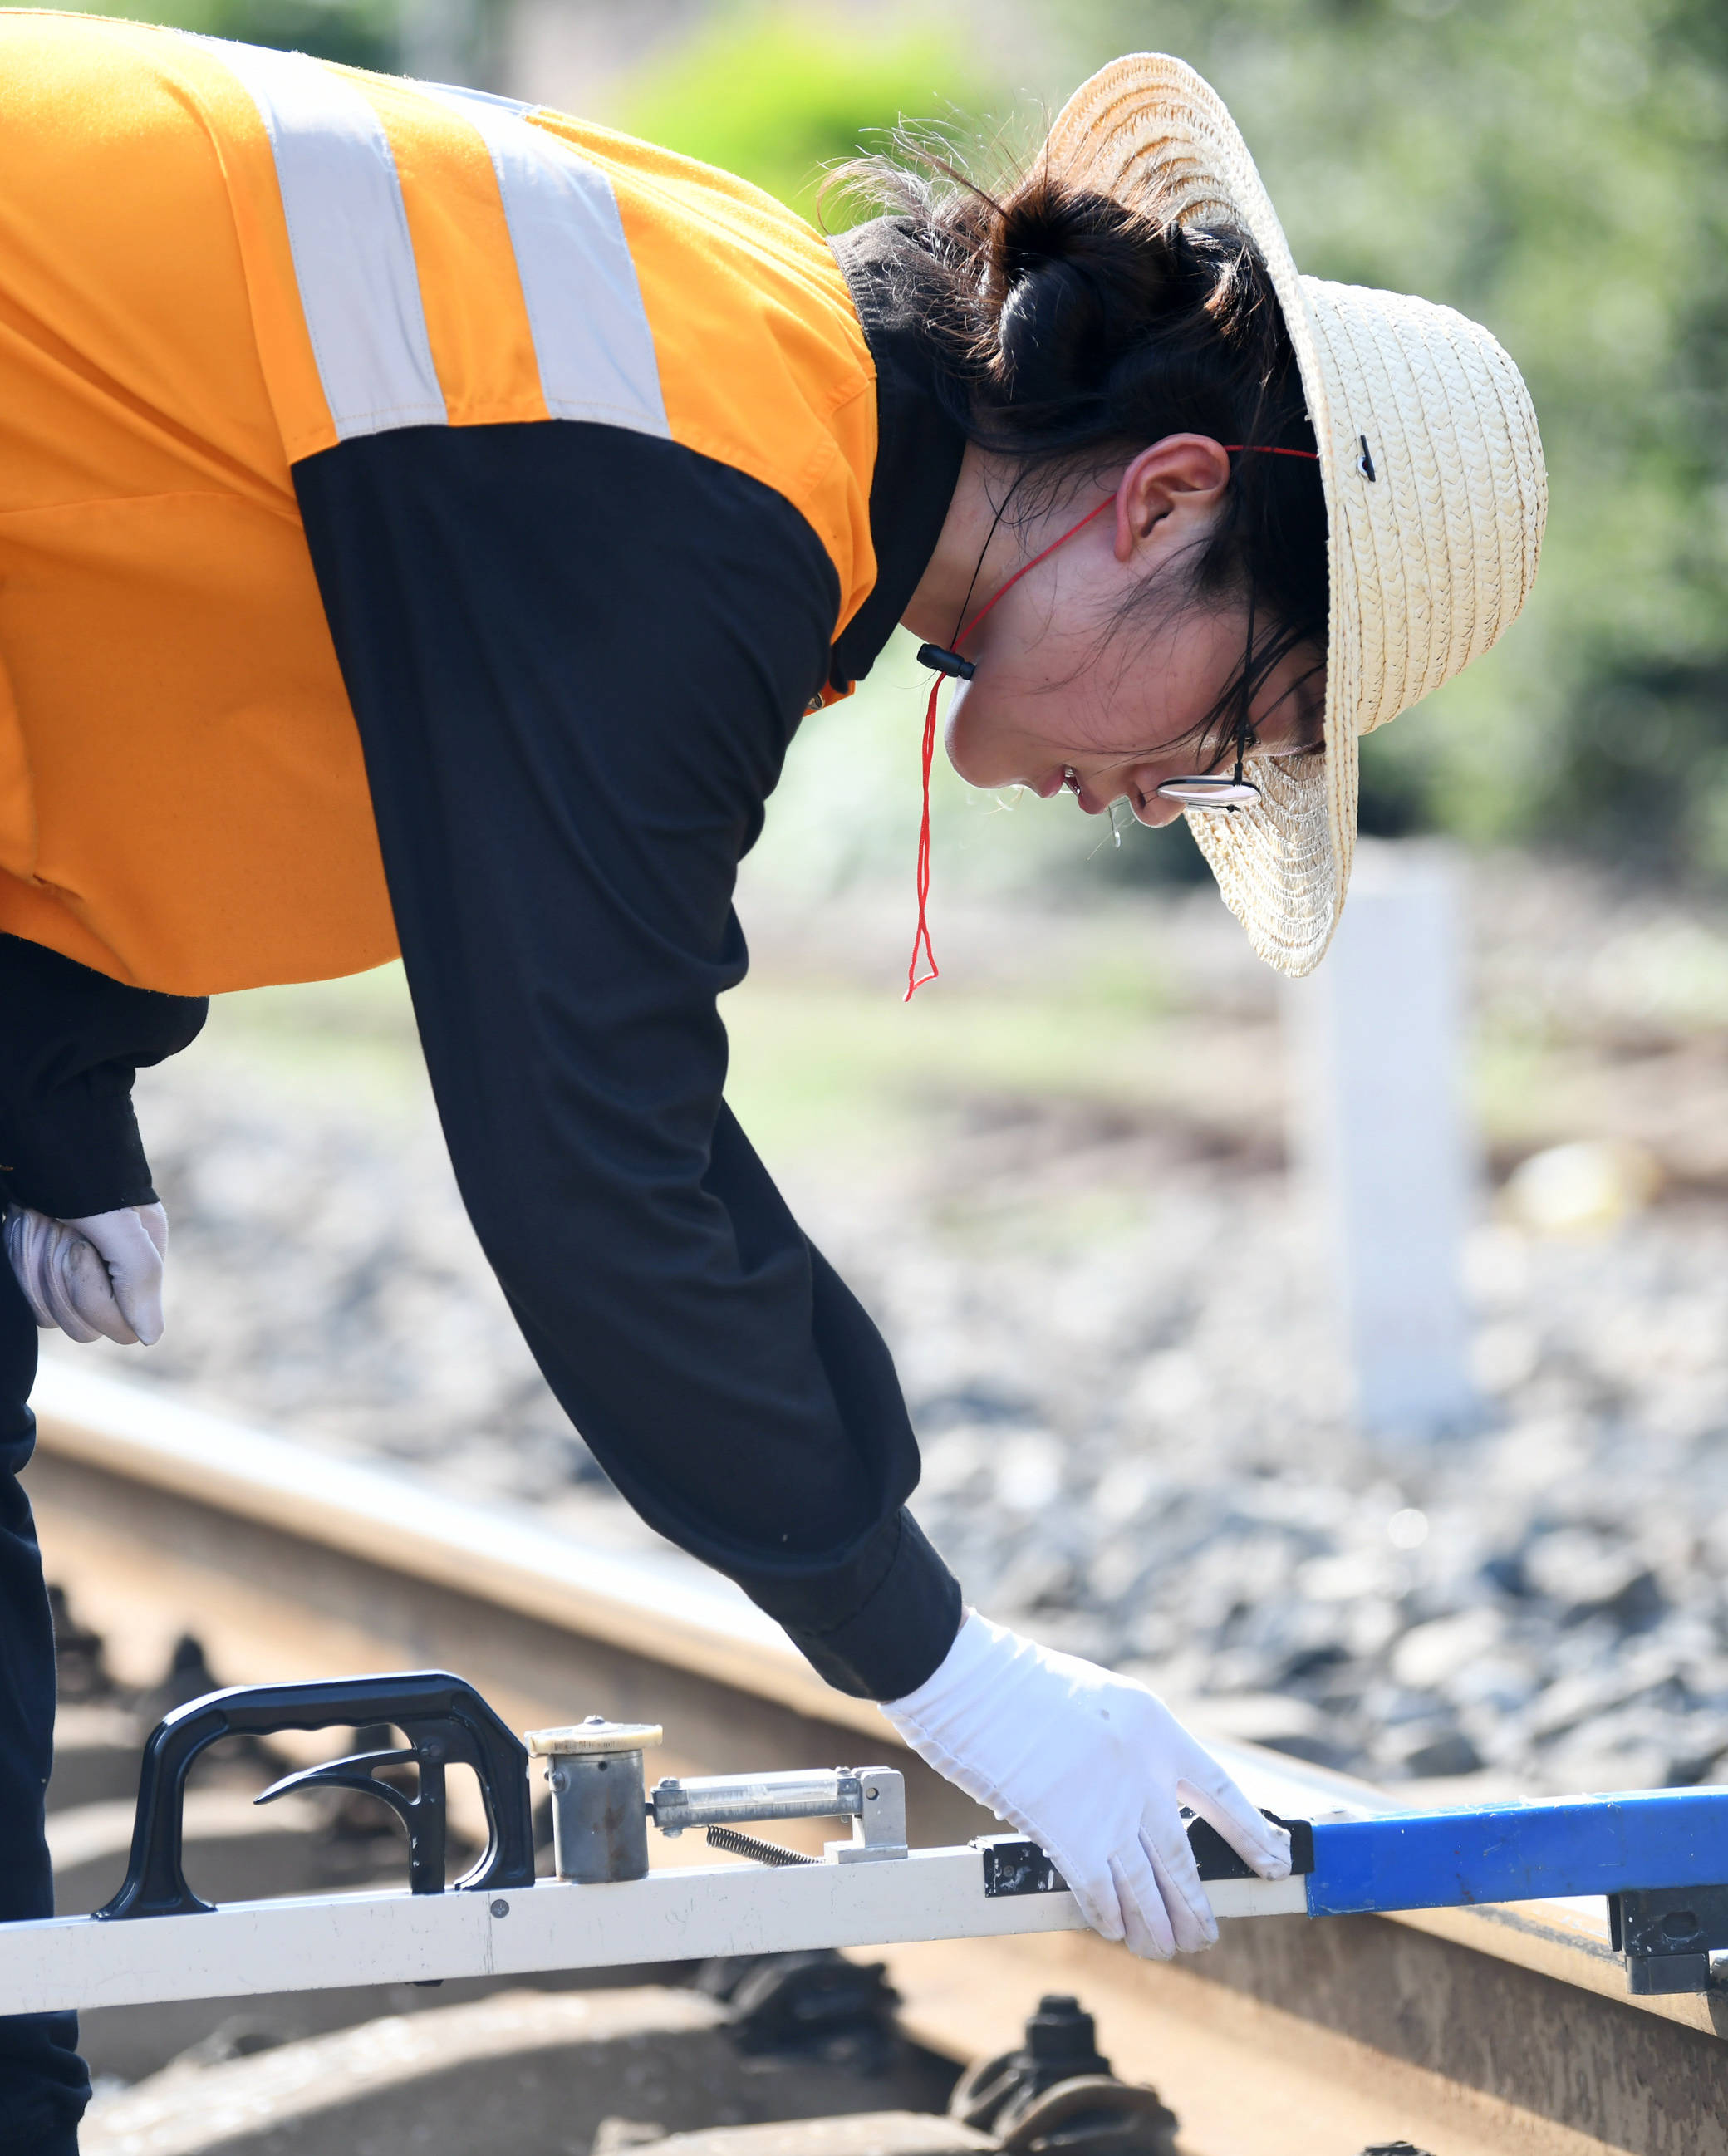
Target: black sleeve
{"type": "Point", "coordinates": [576, 656]}
{"type": "Point", "coordinates": [70, 1043]}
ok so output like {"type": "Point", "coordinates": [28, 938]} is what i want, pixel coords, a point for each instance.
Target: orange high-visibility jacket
{"type": "Point", "coordinates": [216, 261]}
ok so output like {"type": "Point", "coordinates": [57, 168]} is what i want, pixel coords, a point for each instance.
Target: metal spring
{"type": "Point", "coordinates": [735, 1844]}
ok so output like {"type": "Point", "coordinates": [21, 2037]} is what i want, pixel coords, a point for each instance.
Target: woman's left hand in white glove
{"type": "Point", "coordinates": [98, 1277]}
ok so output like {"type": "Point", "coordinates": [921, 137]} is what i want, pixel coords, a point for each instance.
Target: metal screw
{"type": "Point", "coordinates": [501, 1908]}
{"type": "Point", "coordinates": [559, 1779]}
{"type": "Point", "coordinates": [871, 1792]}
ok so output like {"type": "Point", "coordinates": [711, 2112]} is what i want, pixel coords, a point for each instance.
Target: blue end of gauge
{"type": "Point", "coordinates": [1519, 1852]}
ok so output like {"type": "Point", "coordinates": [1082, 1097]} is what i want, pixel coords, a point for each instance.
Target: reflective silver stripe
{"type": "Point", "coordinates": [595, 350]}
{"type": "Point", "coordinates": [353, 259]}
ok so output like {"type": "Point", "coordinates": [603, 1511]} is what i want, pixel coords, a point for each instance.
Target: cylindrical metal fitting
{"type": "Point", "coordinates": [723, 1800]}
{"type": "Point", "coordinates": [599, 1807]}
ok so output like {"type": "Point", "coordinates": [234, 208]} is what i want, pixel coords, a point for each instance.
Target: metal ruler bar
{"type": "Point", "coordinates": [678, 1914]}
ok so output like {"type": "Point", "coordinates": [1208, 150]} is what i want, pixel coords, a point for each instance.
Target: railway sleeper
{"type": "Point", "coordinates": [685, 2072]}
{"type": "Point", "coordinates": [96, 1748]}
{"type": "Point", "coordinates": [101, 1724]}
{"type": "Point", "coordinates": [543, 2071]}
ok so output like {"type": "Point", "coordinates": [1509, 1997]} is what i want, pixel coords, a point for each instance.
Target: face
{"type": "Point", "coordinates": [1062, 687]}
{"type": "Point", "coordinates": [1048, 703]}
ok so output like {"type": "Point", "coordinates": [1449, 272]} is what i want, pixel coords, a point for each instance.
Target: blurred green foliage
{"type": "Point", "coordinates": [777, 95]}
{"type": "Point", "coordinates": [357, 33]}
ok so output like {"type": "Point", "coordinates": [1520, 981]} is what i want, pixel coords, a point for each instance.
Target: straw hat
{"type": "Point", "coordinates": [1435, 492]}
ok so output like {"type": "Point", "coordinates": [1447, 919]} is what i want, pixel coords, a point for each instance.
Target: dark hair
{"type": "Point", "coordinates": [1079, 328]}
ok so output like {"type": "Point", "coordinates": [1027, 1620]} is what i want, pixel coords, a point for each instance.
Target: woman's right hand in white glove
{"type": "Point", "coordinates": [97, 1277]}
{"type": "Point", "coordinates": [1095, 1769]}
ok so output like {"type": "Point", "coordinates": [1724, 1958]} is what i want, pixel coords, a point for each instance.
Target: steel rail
{"type": "Point", "coordinates": [1508, 2028]}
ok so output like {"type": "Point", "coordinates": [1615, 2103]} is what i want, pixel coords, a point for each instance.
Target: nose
{"type": "Point", "coordinates": [1154, 812]}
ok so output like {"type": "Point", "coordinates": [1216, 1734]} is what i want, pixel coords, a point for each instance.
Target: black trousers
{"type": "Point", "coordinates": [44, 2084]}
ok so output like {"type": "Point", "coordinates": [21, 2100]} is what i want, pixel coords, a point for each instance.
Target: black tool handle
{"type": "Point", "coordinates": [445, 1721]}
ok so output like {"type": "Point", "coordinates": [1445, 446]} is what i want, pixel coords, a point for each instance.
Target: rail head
{"type": "Point", "coordinates": [661, 1605]}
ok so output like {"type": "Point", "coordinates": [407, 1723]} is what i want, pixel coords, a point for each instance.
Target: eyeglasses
{"type": "Point", "coordinates": [1212, 789]}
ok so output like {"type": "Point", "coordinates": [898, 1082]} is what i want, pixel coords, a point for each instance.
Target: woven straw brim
{"type": "Point", "coordinates": [1431, 463]}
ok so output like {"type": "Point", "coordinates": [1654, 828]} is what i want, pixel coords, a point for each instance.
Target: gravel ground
{"type": "Point", "coordinates": [1108, 1318]}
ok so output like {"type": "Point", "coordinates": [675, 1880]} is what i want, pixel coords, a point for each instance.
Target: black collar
{"type": "Point", "coordinates": [919, 440]}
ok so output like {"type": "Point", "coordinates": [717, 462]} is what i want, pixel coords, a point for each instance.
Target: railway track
{"type": "Point", "coordinates": [1505, 2032]}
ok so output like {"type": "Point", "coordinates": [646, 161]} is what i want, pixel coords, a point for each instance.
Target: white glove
{"type": "Point", "coordinates": [1095, 1769]}
{"type": "Point", "coordinates": [102, 1274]}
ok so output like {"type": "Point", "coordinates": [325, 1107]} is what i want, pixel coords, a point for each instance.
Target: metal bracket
{"type": "Point", "coordinates": [1668, 1935]}
{"type": "Point", "coordinates": [878, 1826]}
{"type": "Point", "coordinates": [1014, 1866]}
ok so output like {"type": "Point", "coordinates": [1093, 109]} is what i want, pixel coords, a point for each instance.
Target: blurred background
{"type": "Point", "coordinates": [1094, 1183]}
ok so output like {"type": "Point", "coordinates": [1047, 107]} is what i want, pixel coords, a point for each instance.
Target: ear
{"type": "Point", "coordinates": [1181, 476]}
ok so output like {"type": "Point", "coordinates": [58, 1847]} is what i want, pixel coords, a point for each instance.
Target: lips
{"type": "Point", "coordinates": [1056, 781]}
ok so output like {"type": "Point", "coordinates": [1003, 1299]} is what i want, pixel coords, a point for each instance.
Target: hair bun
{"type": "Point", "coordinates": [1041, 228]}
{"type": "Point", "coordinates": [1057, 258]}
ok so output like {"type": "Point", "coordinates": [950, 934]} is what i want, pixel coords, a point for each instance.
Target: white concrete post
{"type": "Point", "coordinates": [1379, 1125]}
